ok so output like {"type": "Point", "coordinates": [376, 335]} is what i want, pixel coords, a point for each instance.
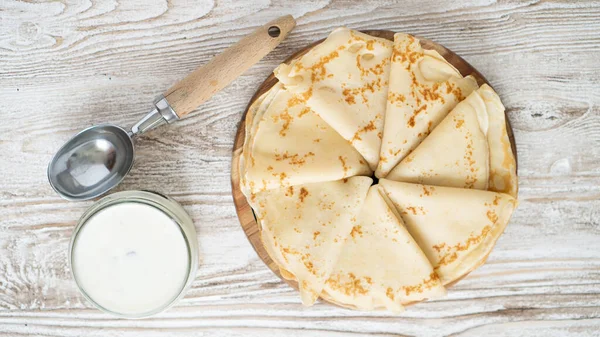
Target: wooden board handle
{"type": "Point", "coordinates": [197, 87]}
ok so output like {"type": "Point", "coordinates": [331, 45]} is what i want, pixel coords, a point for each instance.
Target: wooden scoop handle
{"type": "Point", "coordinates": [197, 87]}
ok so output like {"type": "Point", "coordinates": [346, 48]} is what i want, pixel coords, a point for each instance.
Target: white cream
{"type": "Point", "coordinates": [131, 258]}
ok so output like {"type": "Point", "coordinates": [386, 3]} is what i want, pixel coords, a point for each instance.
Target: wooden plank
{"type": "Point", "coordinates": [76, 63]}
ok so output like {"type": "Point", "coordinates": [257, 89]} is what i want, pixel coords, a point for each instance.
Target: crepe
{"type": "Point", "coordinates": [381, 265]}
{"type": "Point", "coordinates": [456, 228]}
{"type": "Point", "coordinates": [291, 145]}
{"type": "Point", "coordinates": [313, 139]}
{"type": "Point", "coordinates": [423, 88]}
{"type": "Point", "coordinates": [456, 153]}
{"type": "Point", "coordinates": [253, 116]}
{"type": "Point", "coordinates": [345, 81]}
{"type": "Point", "coordinates": [303, 227]}
{"type": "Point", "coordinates": [503, 166]}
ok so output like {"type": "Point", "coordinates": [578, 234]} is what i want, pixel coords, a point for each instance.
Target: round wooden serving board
{"type": "Point", "coordinates": [244, 211]}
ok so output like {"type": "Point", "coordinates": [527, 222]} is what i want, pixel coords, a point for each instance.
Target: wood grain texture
{"type": "Point", "coordinates": [68, 64]}
{"type": "Point", "coordinates": [244, 210]}
{"type": "Point", "coordinates": [201, 84]}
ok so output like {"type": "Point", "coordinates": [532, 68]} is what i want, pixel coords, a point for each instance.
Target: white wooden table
{"type": "Point", "coordinates": [68, 64]}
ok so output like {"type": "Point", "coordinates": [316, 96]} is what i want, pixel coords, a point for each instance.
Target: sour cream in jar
{"type": "Point", "coordinates": [134, 253]}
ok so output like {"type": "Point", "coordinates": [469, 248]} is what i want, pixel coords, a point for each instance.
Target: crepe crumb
{"type": "Point", "coordinates": [294, 159]}
{"type": "Point", "coordinates": [303, 194]}
{"type": "Point", "coordinates": [496, 199]}
{"type": "Point", "coordinates": [492, 216]}
{"type": "Point", "coordinates": [346, 168]}
{"type": "Point", "coordinates": [415, 210]}
{"type": "Point", "coordinates": [426, 284]}
{"type": "Point", "coordinates": [349, 285]}
{"type": "Point", "coordinates": [308, 263]}
{"type": "Point", "coordinates": [377, 69]}
{"type": "Point", "coordinates": [411, 120]}
{"type": "Point", "coordinates": [304, 112]}
{"type": "Point", "coordinates": [264, 184]}
{"type": "Point", "coordinates": [282, 176]}
{"type": "Point", "coordinates": [469, 162]}
{"type": "Point", "coordinates": [307, 95]}
{"type": "Point", "coordinates": [390, 293]}
{"type": "Point", "coordinates": [287, 120]}
{"type": "Point", "coordinates": [288, 251]}
{"type": "Point", "coordinates": [396, 98]}
{"type": "Point", "coordinates": [429, 128]}
{"type": "Point", "coordinates": [459, 122]}
{"type": "Point", "coordinates": [369, 127]}
{"type": "Point", "coordinates": [351, 94]}
{"type": "Point", "coordinates": [323, 206]}
{"type": "Point", "coordinates": [398, 55]}
{"type": "Point", "coordinates": [458, 94]}
{"type": "Point", "coordinates": [427, 190]}
{"type": "Point", "coordinates": [318, 70]}
{"type": "Point", "coordinates": [450, 253]}
{"type": "Point", "coordinates": [356, 230]}
{"type": "Point", "coordinates": [348, 96]}
{"type": "Point", "coordinates": [439, 247]}
{"type": "Point", "coordinates": [290, 191]}
{"type": "Point", "coordinates": [432, 94]}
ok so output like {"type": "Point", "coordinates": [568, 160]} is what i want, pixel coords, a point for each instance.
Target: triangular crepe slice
{"type": "Point", "coordinates": [345, 80]}
{"type": "Point", "coordinates": [256, 111]}
{"type": "Point", "coordinates": [456, 153]}
{"type": "Point", "coordinates": [291, 145]}
{"type": "Point", "coordinates": [306, 225]}
{"type": "Point", "coordinates": [253, 115]}
{"type": "Point", "coordinates": [267, 239]}
{"type": "Point", "coordinates": [456, 228]}
{"type": "Point", "coordinates": [503, 167]}
{"type": "Point", "coordinates": [423, 88]}
{"type": "Point", "coordinates": [380, 263]}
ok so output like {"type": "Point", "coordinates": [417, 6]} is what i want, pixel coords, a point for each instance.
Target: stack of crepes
{"type": "Point", "coordinates": [354, 107]}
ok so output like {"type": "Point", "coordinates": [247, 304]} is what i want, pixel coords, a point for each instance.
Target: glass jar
{"type": "Point", "coordinates": [129, 260]}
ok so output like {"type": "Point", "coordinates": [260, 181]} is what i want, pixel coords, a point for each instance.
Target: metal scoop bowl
{"type": "Point", "coordinates": [92, 162]}
{"type": "Point", "coordinates": [98, 158]}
